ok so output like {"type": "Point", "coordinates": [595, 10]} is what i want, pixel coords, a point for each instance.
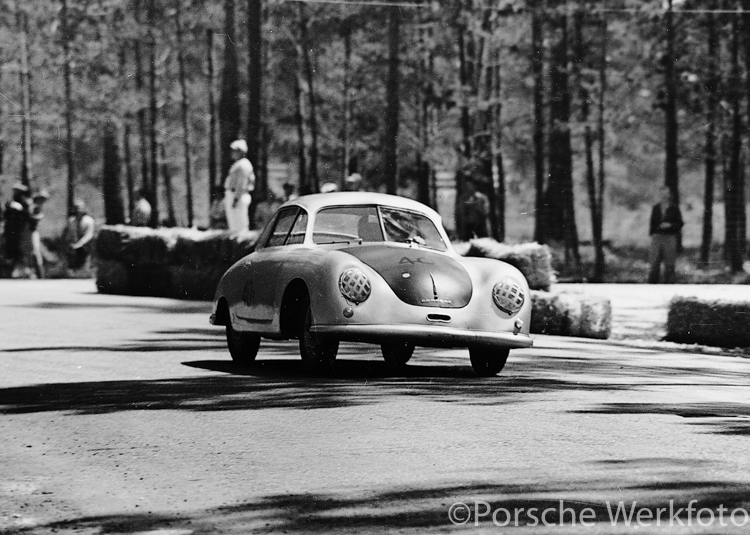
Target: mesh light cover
{"type": "Point", "coordinates": [354, 285]}
{"type": "Point", "coordinates": [508, 296]}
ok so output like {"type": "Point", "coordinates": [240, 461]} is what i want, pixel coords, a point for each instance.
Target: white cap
{"type": "Point", "coordinates": [328, 187]}
{"type": "Point", "coordinates": [239, 144]}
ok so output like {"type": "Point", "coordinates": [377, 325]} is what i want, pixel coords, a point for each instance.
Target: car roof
{"type": "Point", "coordinates": [314, 202]}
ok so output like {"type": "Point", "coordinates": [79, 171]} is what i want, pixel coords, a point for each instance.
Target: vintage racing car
{"type": "Point", "coordinates": [369, 267]}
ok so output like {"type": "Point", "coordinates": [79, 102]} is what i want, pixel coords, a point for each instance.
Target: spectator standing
{"type": "Point", "coordinates": [475, 208]}
{"type": "Point", "coordinates": [665, 228]}
{"type": "Point", "coordinates": [81, 234]}
{"type": "Point", "coordinates": [36, 214]}
{"type": "Point", "coordinates": [141, 215]}
{"type": "Point", "coordinates": [238, 187]}
{"type": "Point", "coordinates": [16, 225]}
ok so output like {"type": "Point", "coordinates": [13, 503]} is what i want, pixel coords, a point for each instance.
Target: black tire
{"type": "Point", "coordinates": [317, 352]}
{"type": "Point", "coordinates": [243, 347]}
{"type": "Point", "coordinates": [397, 354]}
{"type": "Point", "coordinates": [487, 362]}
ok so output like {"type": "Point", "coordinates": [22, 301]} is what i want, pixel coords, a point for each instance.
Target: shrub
{"type": "Point", "coordinates": [716, 323]}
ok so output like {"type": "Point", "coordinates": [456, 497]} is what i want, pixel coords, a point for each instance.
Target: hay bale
{"type": "Point", "coordinates": [167, 262]}
{"type": "Point", "coordinates": [134, 245]}
{"type": "Point", "coordinates": [565, 314]}
{"type": "Point", "coordinates": [588, 316]}
{"type": "Point", "coordinates": [548, 315]}
{"type": "Point", "coordinates": [111, 277]}
{"type": "Point", "coordinates": [708, 322]}
{"type": "Point", "coordinates": [198, 249]}
{"type": "Point", "coordinates": [192, 283]}
{"type": "Point", "coordinates": [531, 259]}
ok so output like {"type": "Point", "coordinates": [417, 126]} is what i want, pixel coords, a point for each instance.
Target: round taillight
{"type": "Point", "coordinates": [354, 285]}
{"type": "Point", "coordinates": [508, 296]}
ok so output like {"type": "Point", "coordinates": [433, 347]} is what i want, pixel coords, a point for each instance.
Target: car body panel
{"type": "Point", "coordinates": [445, 300]}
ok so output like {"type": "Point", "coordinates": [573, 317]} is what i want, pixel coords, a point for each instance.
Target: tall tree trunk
{"type": "Point", "coordinates": [254, 96]}
{"type": "Point", "coordinates": [484, 122]}
{"type": "Point", "coordinates": [308, 66]}
{"type": "Point", "coordinates": [168, 189]}
{"type": "Point", "coordinates": [466, 147]}
{"type": "Point", "coordinates": [210, 77]}
{"type": "Point", "coordinates": [141, 114]}
{"type": "Point", "coordinates": [497, 144]}
{"type": "Point", "coordinates": [128, 163]}
{"type": "Point", "coordinates": [69, 107]}
{"type": "Point", "coordinates": [114, 213]}
{"type": "Point", "coordinates": [346, 33]}
{"type": "Point", "coordinates": [27, 174]}
{"type": "Point", "coordinates": [3, 119]}
{"type": "Point", "coordinates": [599, 259]}
{"type": "Point", "coordinates": [712, 88]}
{"type": "Point", "coordinates": [299, 118]}
{"type": "Point", "coordinates": [561, 223]}
{"type": "Point", "coordinates": [537, 67]}
{"type": "Point", "coordinates": [585, 100]}
{"type": "Point", "coordinates": [186, 142]}
{"type": "Point", "coordinates": [393, 103]}
{"type": "Point", "coordinates": [425, 95]}
{"type": "Point", "coordinates": [229, 103]}
{"type": "Point", "coordinates": [153, 119]}
{"type": "Point", "coordinates": [734, 192]}
{"type": "Point", "coordinates": [671, 177]}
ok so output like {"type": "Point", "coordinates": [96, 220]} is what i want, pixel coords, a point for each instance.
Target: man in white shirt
{"type": "Point", "coordinates": [238, 186]}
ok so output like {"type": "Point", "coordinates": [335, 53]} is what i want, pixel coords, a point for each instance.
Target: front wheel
{"type": "Point", "coordinates": [317, 352]}
{"type": "Point", "coordinates": [243, 347]}
{"type": "Point", "coordinates": [397, 354]}
{"type": "Point", "coordinates": [487, 362]}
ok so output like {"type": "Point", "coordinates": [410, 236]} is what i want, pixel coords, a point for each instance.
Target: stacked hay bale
{"type": "Point", "coordinates": [170, 262]}
{"type": "Point", "coordinates": [566, 314]}
{"type": "Point", "coordinates": [531, 259]}
{"type": "Point", "coordinates": [708, 322]}
{"type": "Point", "coordinates": [557, 313]}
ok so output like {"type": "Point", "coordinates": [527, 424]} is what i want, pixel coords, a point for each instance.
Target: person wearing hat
{"type": "Point", "coordinates": [16, 225]}
{"type": "Point", "coordinates": [238, 187]}
{"type": "Point", "coordinates": [36, 214]}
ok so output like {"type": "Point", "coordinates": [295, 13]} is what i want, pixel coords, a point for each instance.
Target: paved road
{"type": "Point", "coordinates": [124, 415]}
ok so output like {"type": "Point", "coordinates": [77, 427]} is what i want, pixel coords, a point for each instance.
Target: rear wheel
{"type": "Point", "coordinates": [487, 362]}
{"type": "Point", "coordinates": [397, 354]}
{"type": "Point", "coordinates": [317, 352]}
{"type": "Point", "coordinates": [243, 347]}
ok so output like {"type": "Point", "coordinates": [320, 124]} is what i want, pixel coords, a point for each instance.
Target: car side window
{"type": "Point", "coordinates": [297, 234]}
{"type": "Point", "coordinates": [284, 222]}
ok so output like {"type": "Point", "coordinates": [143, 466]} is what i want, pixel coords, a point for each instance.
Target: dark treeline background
{"type": "Point", "coordinates": [572, 112]}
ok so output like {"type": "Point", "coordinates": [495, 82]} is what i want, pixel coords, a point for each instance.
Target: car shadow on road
{"type": "Point", "coordinates": [360, 377]}
{"type": "Point", "coordinates": [602, 503]}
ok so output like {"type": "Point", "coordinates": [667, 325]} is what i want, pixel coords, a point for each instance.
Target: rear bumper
{"type": "Point", "coordinates": [424, 335]}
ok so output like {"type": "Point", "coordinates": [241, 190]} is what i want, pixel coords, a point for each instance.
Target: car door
{"type": "Point", "coordinates": [269, 263]}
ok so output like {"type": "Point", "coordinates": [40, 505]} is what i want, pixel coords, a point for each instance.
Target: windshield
{"type": "Point", "coordinates": [347, 224]}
